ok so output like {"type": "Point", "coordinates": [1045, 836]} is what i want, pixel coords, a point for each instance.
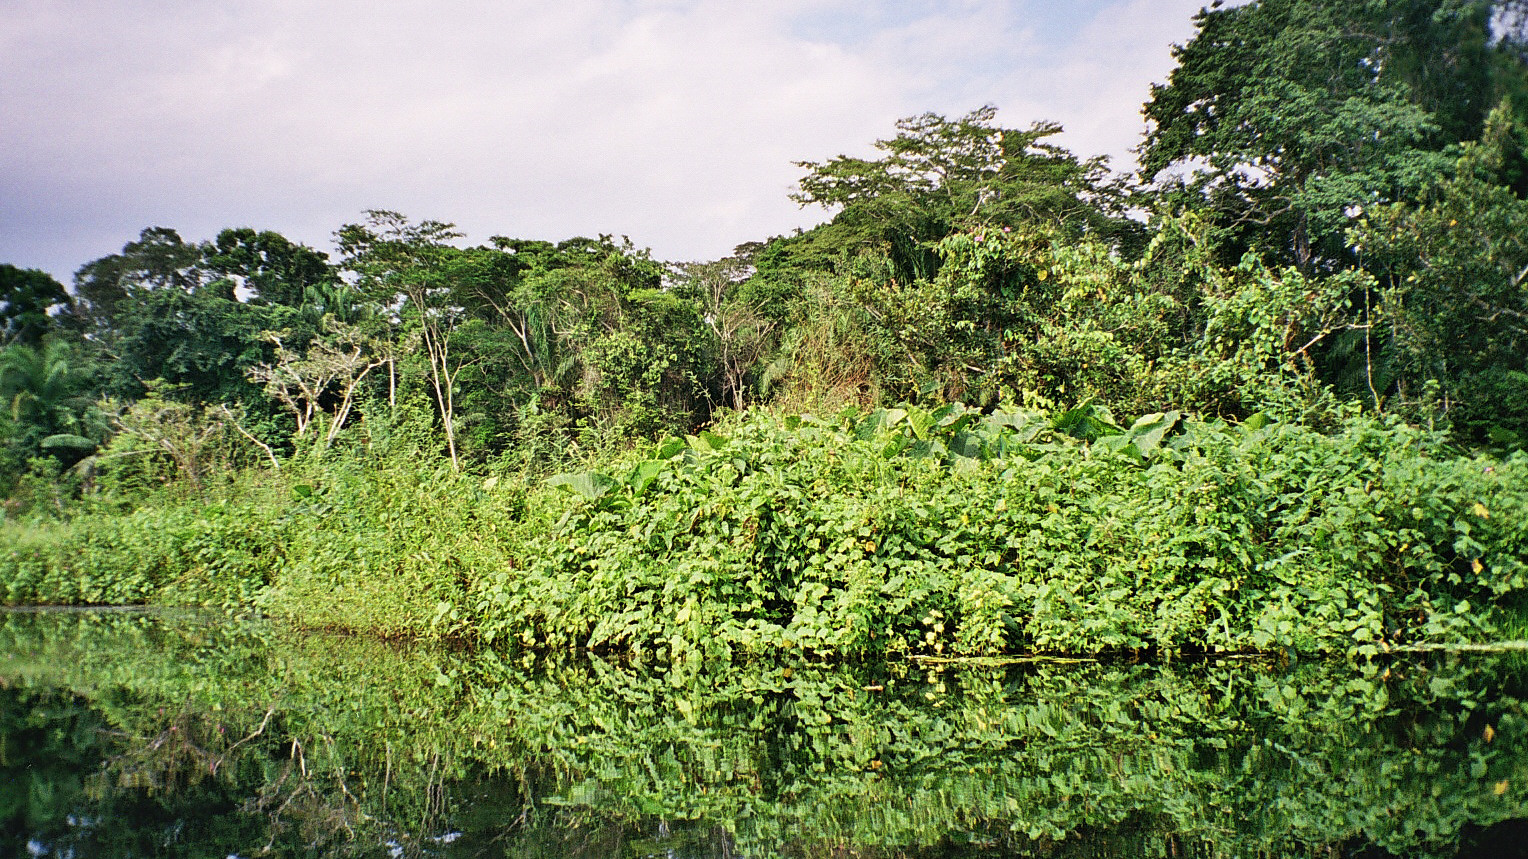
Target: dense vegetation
{"type": "Point", "coordinates": [1272, 392]}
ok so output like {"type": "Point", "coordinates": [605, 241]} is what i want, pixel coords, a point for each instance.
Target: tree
{"type": "Point", "coordinates": [744, 332]}
{"type": "Point", "coordinates": [937, 258]}
{"type": "Point", "coordinates": [941, 175]}
{"type": "Point", "coordinates": [46, 391]}
{"type": "Point", "coordinates": [395, 260]}
{"type": "Point", "coordinates": [29, 301]}
{"type": "Point", "coordinates": [1285, 118]}
{"type": "Point", "coordinates": [271, 267]}
{"type": "Point", "coordinates": [636, 354]}
{"type": "Point", "coordinates": [510, 295]}
{"type": "Point", "coordinates": [324, 375]}
{"type": "Point", "coordinates": [158, 260]}
{"type": "Point", "coordinates": [1453, 324]}
{"type": "Point", "coordinates": [595, 334]}
{"type": "Point", "coordinates": [203, 343]}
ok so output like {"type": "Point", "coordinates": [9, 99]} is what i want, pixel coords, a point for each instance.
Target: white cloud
{"type": "Point", "coordinates": [674, 121]}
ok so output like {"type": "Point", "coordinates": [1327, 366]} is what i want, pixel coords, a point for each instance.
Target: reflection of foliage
{"type": "Point", "coordinates": [347, 746]}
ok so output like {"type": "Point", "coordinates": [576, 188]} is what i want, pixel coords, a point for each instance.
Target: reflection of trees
{"type": "Point", "coordinates": [297, 792]}
{"type": "Point", "coordinates": [371, 748]}
{"type": "Point", "coordinates": [186, 741]}
{"type": "Point", "coordinates": [319, 804]}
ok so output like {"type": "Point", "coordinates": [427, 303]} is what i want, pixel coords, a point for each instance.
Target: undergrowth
{"type": "Point", "coordinates": [908, 531]}
{"type": "Point", "coordinates": [903, 531]}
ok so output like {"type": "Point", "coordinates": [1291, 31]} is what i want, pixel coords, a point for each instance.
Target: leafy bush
{"type": "Point", "coordinates": [218, 555]}
{"type": "Point", "coordinates": [391, 546]}
{"type": "Point", "coordinates": [905, 530]}
{"type": "Point", "coordinates": [387, 546]}
{"type": "Point", "coordinates": [952, 531]}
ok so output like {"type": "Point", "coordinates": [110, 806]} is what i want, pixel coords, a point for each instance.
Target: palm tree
{"type": "Point", "coordinates": [46, 391]}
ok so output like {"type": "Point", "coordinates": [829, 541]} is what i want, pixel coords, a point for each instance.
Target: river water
{"type": "Point", "coordinates": [129, 733]}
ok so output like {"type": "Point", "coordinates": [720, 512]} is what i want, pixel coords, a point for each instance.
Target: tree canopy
{"type": "Point", "coordinates": [30, 301]}
{"type": "Point", "coordinates": [941, 175]}
{"type": "Point", "coordinates": [1286, 118]}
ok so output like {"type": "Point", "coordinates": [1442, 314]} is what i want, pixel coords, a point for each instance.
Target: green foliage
{"type": "Point", "coordinates": [391, 546]}
{"type": "Point", "coordinates": [941, 175]}
{"type": "Point", "coordinates": [1018, 314]}
{"type": "Point", "coordinates": [385, 542]}
{"type": "Point", "coordinates": [268, 265]}
{"type": "Point", "coordinates": [29, 298]}
{"type": "Point", "coordinates": [201, 342]}
{"type": "Point", "coordinates": [1266, 344]}
{"type": "Point", "coordinates": [582, 329]}
{"type": "Point", "coordinates": [951, 531]}
{"type": "Point", "coordinates": [162, 443]}
{"type": "Point", "coordinates": [1452, 309]}
{"type": "Point", "coordinates": [896, 531]}
{"type": "Point", "coordinates": [219, 555]}
{"type": "Point", "coordinates": [159, 260]}
{"type": "Point", "coordinates": [45, 406]}
{"type": "Point", "coordinates": [1283, 115]}
{"type": "Point", "coordinates": [831, 358]}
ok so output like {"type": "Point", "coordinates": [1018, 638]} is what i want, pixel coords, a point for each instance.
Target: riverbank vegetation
{"type": "Point", "coordinates": [957, 532]}
{"type": "Point", "coordinates": [1269, 393]}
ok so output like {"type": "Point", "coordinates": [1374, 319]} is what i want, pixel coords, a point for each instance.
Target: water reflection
{"type": "Point", "coordinates": [146, 735]}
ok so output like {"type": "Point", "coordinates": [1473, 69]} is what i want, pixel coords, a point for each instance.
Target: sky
{"type": "Point", "coordinates": [674, 122]}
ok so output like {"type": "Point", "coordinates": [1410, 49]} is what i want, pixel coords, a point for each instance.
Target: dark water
{"type": "Point", "coordinates": [128, 734]}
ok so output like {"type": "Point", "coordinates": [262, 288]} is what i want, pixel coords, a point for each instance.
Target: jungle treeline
{"type": "Point", "coordinates": [1271, 390]}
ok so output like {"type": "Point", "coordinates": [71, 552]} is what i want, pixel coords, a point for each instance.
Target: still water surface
{"type": "Point", "coordinates": [142, 734]}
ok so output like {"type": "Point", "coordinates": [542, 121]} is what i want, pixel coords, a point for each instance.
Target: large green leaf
{"type": "Point", "coordinates": [590, 484]}
{"type": "Point", "coordinates": [706, 441]}
{"type": "Point", "coordinates": [1148, 430]}
{"type": "Point", "coordinates": [67, 441]}
{"type": "Point", "coordinates": [1087, 422]}
{"type": "Point", "coordinates": [670, 448]}
{"type": "Point", "coordinates": [643, 473]}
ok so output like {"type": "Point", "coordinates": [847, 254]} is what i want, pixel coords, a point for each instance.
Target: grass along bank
{"type": "Point", "coordinates": [899, 531]}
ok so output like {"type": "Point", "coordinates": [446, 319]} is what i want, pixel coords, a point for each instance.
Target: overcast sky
{"type": "Point", "coordinates": [674, 122]}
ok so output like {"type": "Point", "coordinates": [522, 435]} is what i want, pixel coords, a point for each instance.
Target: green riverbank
{"type": "Point", "coordinates": [901, 531]}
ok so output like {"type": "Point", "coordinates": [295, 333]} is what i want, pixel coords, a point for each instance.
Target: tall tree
{"type": "Point", "coordinates": [158, 260]}
{"type": "Point", "coordinates": [939, 176]}
{"type": "Point", "coordinates": [202, 343]}
{"type": "Point", "coordinates": [169, 309]}
{"type": "Point", "coordinates": [740, 325]}
{"type": "Point", "coordinates": [29, 300]}
{"type": "Point", "coordinates": [595, 332]}
{"type": "Point", "coordinates": [271, 267]}
{"type": "Point", "coordinates": [939, 255]}
{"type": "Point", "coordinates": [1450, 335]}
{"type": "Point", "coordinates": [1286, 118]}
{"type": "Point", "coordinates": [416, 267]}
